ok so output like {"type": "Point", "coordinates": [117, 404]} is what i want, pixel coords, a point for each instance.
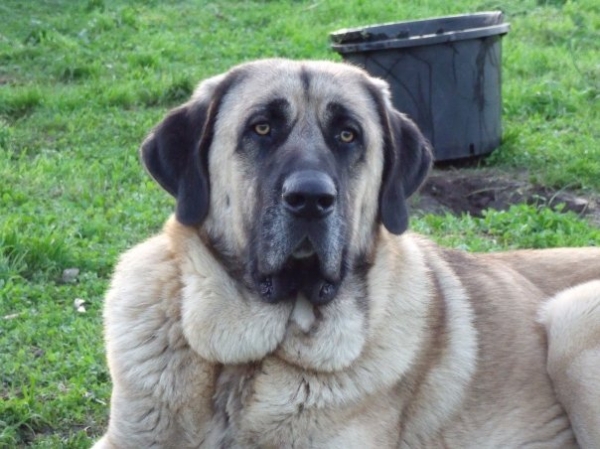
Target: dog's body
{"type": "Point", "coordinates": [284, 306]}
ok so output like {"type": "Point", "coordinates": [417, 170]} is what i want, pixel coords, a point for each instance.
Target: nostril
{"type": "Point", "coordinates": [326, 202]}
{"type": "Point", "coordinates": [295, 200]}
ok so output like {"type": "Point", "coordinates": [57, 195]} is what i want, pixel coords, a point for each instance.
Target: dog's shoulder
{"type": "Point", "coordinates": [144, 294]}
{"type": "Point", "coordinates": [142, 270]}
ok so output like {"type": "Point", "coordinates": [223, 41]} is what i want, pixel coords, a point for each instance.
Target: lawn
{"type": "Point", "coordinates": [81, 83]}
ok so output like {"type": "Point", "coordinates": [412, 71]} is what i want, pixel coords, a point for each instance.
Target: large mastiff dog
{"type": "Point", "coordinates": [285, 306]}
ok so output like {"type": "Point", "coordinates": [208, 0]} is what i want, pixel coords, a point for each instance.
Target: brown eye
{"type": "Point", "coordinates": [347, 136]}
{"type": "Point", "coordinates": [262, 129]}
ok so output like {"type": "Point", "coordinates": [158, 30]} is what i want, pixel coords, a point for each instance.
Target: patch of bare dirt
{"type": "Point", "coordinates": [459, 191]}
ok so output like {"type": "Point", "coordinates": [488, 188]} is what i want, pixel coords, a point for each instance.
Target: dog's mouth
{"type": "Point", "coordinates": [291, 256]}
{"type": "Point", "coordinates": [301, 273]}
{"type": "Point", "coordinates": [307, 269]}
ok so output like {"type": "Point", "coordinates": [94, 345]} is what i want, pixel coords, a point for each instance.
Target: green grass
{"type": "Point", "coordinates": [82, 82]}
{"type": "Point", "coordinates": [521, 226]}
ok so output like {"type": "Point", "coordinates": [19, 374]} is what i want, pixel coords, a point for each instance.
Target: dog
{"type": "Point", "coordinates": [286, 305]}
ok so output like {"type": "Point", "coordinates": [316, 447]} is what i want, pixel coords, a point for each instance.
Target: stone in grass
{"type": "Point", "coordinates": [69, 275]}
{"type": "Point", "coordinates": [79, 305]}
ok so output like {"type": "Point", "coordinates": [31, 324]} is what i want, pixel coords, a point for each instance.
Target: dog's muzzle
{"type": "Point", "coordinates": [302, 250]}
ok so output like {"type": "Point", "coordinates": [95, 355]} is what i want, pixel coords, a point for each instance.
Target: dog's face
{"type": "Point", "coordinates": [285, 169]}
{"type": "Point", "coordinates": [288, 169]}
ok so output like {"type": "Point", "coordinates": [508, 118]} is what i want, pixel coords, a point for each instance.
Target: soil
{"type": "Point", "coordinates": [459, 191]}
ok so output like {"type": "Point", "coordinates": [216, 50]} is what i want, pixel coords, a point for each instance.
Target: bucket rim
{"type": "Point", "coordinates": [374, 37]}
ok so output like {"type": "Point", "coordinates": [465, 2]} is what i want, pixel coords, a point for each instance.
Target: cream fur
{"type": "Point", "coordinates": [572, 320]}
{"type": "Point", "coordinates": [363, 382]}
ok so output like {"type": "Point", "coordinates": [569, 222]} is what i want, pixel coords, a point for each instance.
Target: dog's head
{"type": "Point", "coordinates": [289, 168]}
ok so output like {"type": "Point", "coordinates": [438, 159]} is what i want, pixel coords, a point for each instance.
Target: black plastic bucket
{"type": "Point", "coordinates": [445, 73]}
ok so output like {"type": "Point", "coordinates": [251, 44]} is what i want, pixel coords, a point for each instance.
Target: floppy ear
{"type": "Point", "coordinates": [176, 151]}
{"type": "Point", "coordinates": [407, 160]}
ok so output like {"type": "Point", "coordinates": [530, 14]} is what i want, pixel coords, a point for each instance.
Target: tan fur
{"type": "Point", "coordinates": [447, 349]}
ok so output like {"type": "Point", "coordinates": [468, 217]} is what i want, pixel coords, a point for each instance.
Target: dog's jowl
{"type": "Point", "coordinates": [286, 305]}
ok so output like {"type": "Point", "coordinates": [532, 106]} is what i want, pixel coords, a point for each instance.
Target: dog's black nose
{"type": "Point", "coordinates": [309, 194]}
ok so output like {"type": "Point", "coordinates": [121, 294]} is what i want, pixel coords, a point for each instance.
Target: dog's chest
{"type": "Point", "coordinates": [260, 406]}
{"type": "Point", "coordinates": [247, 414]}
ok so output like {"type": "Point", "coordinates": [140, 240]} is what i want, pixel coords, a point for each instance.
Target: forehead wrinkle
{"type": "Point", "coordinates": [346, 89]}
{"type": "Point", "coordinates": [278, 84]}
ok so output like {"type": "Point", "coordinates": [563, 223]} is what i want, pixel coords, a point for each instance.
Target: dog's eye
{"type": "Point", "coordinates": [347, 136]}
{"type": "Point", "coordinates": [262, 129]}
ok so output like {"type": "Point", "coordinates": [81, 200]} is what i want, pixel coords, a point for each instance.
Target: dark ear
{"type": "Point", "coordinates": [408, 158]}
{"type": "Point", "coordinates": [171, 155]}
{"type": "Point", "coordinates": [176, 151]}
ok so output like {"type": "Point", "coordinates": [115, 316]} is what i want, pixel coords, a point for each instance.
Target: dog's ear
{"type": "Point", "coordinates": [407, 160]}
{"type": "Point", "coordinates": [176, 151]}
